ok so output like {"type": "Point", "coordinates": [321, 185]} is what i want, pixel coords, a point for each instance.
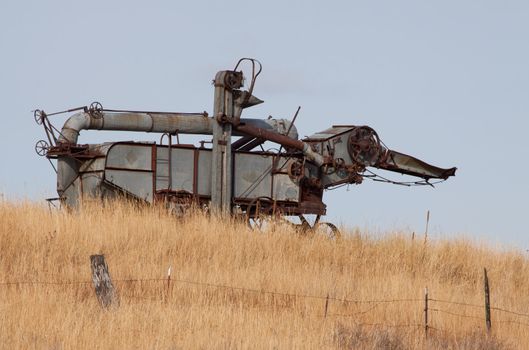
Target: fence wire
{"type": "Point", "coordinates": [455, 303]}
{"type": "Point", "coordinates": [376, 302]}
{"type": "Point", "coordinates": [213, 285]}
{"type": "Point", "coordinates": [456, 314]}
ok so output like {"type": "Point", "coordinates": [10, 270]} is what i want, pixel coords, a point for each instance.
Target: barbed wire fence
{"type": "Point", "coordinates": [107, 297]}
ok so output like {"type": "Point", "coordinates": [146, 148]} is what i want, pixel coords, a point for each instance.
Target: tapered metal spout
{"type": "Point", "coordinates": [405, 164]}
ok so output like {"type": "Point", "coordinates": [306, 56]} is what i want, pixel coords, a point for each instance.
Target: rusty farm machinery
{"type": "Point", "coordinates": [231, 173]}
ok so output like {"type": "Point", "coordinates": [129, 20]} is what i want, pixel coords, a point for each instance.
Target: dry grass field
{"type": "Point", "coordinates": [207, 254]}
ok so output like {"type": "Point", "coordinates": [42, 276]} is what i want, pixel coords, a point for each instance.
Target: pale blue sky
{"type": "Point", "coordinates": [446, 81]}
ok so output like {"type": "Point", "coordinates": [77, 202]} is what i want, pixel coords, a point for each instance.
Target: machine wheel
{"type": "Point", "coordinates": [261, 211]}
{"type": "Point", "coordinates": [96, 110]}
{"type": "Point", "coordinates": [41, 148]}
{"type": "Point", "coordinates": [327, 229]}
{"type": "Point", "coordinates": [39, 115]}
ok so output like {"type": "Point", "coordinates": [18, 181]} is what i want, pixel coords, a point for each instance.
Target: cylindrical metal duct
{"type": "Point", "coordinates": [282, 140]}
{"type": "Point", "coordinates": [159, 123]}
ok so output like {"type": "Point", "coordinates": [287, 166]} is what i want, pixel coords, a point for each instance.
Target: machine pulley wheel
{"type": "Point", "coordinates": [233, 80]}
{"type": "Point", "coordinates": [296, 170]}
{"type": "Point", "coordinates": [364, 146]}
{"type": "Point", "coordinates": [38, 115]}
{"type": "Point", "coordinates": [42, 147]}
{"type": "Point", "coordinates": [96, 110]}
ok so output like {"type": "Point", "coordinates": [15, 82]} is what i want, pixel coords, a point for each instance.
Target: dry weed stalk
{"type": "Point", "coordinates": [140, 242]}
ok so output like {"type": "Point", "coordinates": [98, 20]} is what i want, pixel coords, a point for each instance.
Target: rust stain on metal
{"type": "Point", "coordinates": [283, 181]}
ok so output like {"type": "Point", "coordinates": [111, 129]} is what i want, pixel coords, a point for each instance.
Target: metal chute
{"type": "Point", "coordinates": [408, 165]}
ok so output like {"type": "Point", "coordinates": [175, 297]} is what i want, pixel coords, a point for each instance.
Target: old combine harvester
{"type": "Point", "coordinates": [232, 176]}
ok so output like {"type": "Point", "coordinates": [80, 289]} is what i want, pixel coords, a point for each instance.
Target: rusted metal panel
{"type": "Point", "coordinates": [329, 133]}
{"type": "Point", "coordinates": [285, 189]}
{"type": "Point", "coordinates": [72, 194]}
{"type": "Point", "coordinates": [182, 161]}
{"type": "Point", "coordinates": [130, 156]}
{"type": "Point", "coordinates": [204, 173]}
{"type": "Point", "coordinates": [195, 171]}
{"type": "Point", "coordinates": [254, 175]}
{"type": "Point", "coordinates": [138, 183]}
{"type": "Point", "coordinates": [67, 172]}
{"type": "Point", "coordinates": [162, 168]}
{"type": "Point", "coordinates": [91, 184]}
{"type": "Point", "coordinates": [96, 164]}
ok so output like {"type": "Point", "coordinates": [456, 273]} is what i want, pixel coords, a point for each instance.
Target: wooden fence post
{"type": "Point", "coordinates": [105, 292]}
{"type": "Point", "coordinates": [168, 291]}
{"type": "Point", "coordinates": [169, 278]}
{"type": "Point", "coordinates": [487, 300]}
{"type": "Point", "coordinates": [427, 224]}
{"type": "Point", "coordinates": [326, 305]}
{"type": "Point", "coordinates": [426, 312]}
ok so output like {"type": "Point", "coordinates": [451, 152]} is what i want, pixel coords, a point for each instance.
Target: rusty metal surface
{"type": "Point", "coordinates": [157, 122]}
{"type": "Point", "coordinates": [405, 164]}
{"type": "Point", "coordinates": [137, 183]}
{"type": "Point", "coordinates": [283, 140]}
{"type": "Point", "coordinates": [127, 156]}
{"type": "Point", "coordinates": [260, 133]}
{"type": "Point", "coordinates": [181, 169]}
{"type": "Point", "coordinates": [287, 181]}
{"type": "Point", "coordinates": [329, 133]}
{"type": "Point", "coordinates": [254, 176]}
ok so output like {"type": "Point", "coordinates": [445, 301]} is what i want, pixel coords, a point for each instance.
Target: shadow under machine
{"type": "Point", "coordinates": [229, 173]}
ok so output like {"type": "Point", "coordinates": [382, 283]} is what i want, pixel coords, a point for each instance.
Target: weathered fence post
{"type": "Point", "coordinates": [169, 278]}
{"type": "Point", "coordinates": [105, 292]}
{"type": "Point", "coordinates": [487, 300]}
{"type": "Point", "coordinates": [426, 229]}
{"type": "Point", "coordinates": [168, 291]}
{"type": "Point", "coordinates": [326, 305]}
{"type": "Point", "coordinates": [426, 312]}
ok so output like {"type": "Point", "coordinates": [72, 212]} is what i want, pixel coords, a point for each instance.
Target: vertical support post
{"type": "Point", "coordinates": [426, 326]}
{"type": "Point", "coordinates": [221, 167]}
{"type": "Point", "coordinates": [170, 161]}
{"type": "Point", "coordinates": [326, 305]}
{"type": "Point", "coordinates": [105, 292]}
{"type": "Point", "coordinates": [487, 300]}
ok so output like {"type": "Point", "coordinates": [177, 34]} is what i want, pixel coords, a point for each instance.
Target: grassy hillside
{"type": "Point", "coordinates": [282, 279]}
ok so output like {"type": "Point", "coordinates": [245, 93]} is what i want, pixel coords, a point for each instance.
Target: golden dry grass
{"type": "Point", "coordinates": [141, 243]}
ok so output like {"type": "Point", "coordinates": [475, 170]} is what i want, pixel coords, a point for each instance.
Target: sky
{"type": "Point", "coordinates": [445, 81]}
